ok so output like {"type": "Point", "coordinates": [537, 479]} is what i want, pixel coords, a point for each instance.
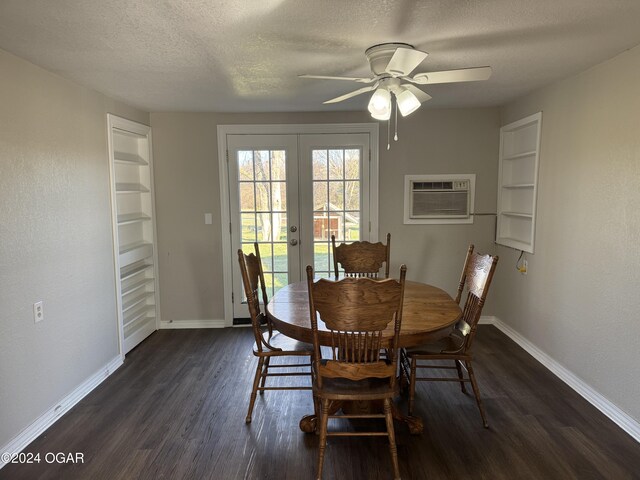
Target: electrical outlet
{"type": "Point", "coordinates": [38, 312]}
{"type": "Point", "coordinates": [525, 267]}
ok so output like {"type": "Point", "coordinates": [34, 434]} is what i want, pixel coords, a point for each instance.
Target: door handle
{"type": "Point", "coordinates": [293, 242]}
{"type": "Point", "coordinates": [293, 229]}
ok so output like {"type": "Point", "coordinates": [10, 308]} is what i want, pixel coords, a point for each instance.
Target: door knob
{"type": "Point", "coordinates": [293, 229]}
{"type": "Point", "coordinates": [293, 242]}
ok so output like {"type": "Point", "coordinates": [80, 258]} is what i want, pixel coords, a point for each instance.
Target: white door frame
{"type": "Point", "coordinates": [282, 129]}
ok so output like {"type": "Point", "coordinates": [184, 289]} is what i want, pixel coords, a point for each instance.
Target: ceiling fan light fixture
{"type": "Point", "coordinates": [407, 102]}
{"type": "Point", "coordinates": [380, 104]}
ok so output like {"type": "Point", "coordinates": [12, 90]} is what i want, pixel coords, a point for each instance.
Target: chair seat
{"type": "Point", "coordinates": [287, 345]}
{"type": "Point", "coordinates": [344, 389]}
{"type": "Point", "coordinates": [451, 344]}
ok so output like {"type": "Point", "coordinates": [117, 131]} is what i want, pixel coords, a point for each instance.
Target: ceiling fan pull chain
{"type": "Point", "coordinates": [389, 133]}
{"type": "Point", "coordinates": [395, 137]}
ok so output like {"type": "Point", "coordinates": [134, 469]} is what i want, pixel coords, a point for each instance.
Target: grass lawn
{"type": "Point", "coordinates": [275, 264]}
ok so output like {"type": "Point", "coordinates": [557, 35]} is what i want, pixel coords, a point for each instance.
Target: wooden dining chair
{"type": "Point", "coordinates": [476, 279]}
{"type": "Point", "coordinates": [356, 311]}
{"type": "Point", "coordinates": [361, 259]}
{"type": "Point", "coordinates": [267, 343]}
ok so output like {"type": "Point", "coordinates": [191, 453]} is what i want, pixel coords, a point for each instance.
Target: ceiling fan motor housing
{"type": "Point", "coordinates": [380, 55]}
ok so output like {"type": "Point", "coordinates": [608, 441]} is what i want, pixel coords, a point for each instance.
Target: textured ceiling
{"type": "Point", "coordinates": [245, 55]}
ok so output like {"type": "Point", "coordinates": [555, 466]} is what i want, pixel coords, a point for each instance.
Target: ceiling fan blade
{"type": "Point", "coordinates": [452, 76]}
{"type": "Point", "coordinates": [352, 79]}
{"type": "Point", "coordinates": [420, 95]}
{"type": "Point", "coordinates": [404, 61]}
{"type": "Point", "coordinates": [360, 91]}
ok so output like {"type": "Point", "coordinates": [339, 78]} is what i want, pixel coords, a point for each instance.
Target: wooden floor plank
{"type": "Point", "coordinates": [176, 410]}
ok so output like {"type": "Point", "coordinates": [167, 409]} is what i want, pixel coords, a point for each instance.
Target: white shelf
{"type": "Point", "coordinates": [517, 214]}
{"type": "Point", "coordinates": [516, 243]}
{"type": "Point", "coordinates": [137, 313]}
{"type": "Point", "coordinates": [131, 188]}
{"type": "Point", "coordinates": [137, 286]}
{"type": "Point", "coordinates": [134, 233]}
{"type": "Point", "coordinates": [520, 155]}
{"type": "Point", "coordinates": [134, 252]}
{"type": "Point", "coordinates": [136, 301]}
{"type": "Point", "coordinates": [138, 331]}
{"type": "Point", "coordinates": [131, 271]}
{"type": "Point", "coordinates": [128, 218]}
{"type": "Point", "coordinates": [130, 133]}
{"type": "Point", "coordinates": [518, 180]}
{"type": "Point", "coordinates": [129, 158]}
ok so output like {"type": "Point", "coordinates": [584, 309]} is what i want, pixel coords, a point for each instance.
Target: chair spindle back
{"type": "Point", "coordinates": [356, 311]}
{"type": "Point", "coordinates": [253, 282]}
{"type": "Point", "coordinates": [478, 273]}
{"type": "Point", "coordinates": [361, 259]}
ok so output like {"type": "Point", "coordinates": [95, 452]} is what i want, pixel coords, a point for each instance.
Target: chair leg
{"type": "Point", "coordinates": [476, 392]}
{"type": "Point", "coordinates": [412, 384]}
{"type": "Point", "coordinates": [392, 438]}
{"type": "Point", "coordinates": [324, 419]}
{"type": "Point", "coordinates": [256, 381]}
{"type": "Point", "coordinates": [265, 370]}
{"type": "Point", "coordinates": [404, 372]}
{"type": "Point", "coordinates": [459, 368]}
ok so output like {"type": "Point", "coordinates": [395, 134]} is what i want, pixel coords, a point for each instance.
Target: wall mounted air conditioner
{"type": "Point", "coordinates": [439, 199]}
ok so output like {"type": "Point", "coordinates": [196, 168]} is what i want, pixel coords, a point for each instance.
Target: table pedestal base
{"type": "Point", "coordinates": [309, 423]}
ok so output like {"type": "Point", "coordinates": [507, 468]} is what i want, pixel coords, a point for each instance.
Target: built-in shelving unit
{"type": "Point", "coordinates": [518, 183]}
{"type": "Point", "coordinates": [134, 231]}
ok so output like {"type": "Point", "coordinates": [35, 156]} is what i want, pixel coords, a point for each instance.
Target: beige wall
{"type": "Point", "coordinates": [579, 302]}
{"type": "Point", "coordinates": [187, 186]}
{"type": "Point", "coordinates": [55, 240]}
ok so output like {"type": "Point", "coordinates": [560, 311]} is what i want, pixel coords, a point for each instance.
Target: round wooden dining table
{"type": "Point", "coordinates": [428, 314]}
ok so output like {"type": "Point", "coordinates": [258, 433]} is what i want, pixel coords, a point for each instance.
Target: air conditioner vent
{"type": "Point", "coordinates": [439, 198]}
{"type": "Point", "coordinates": [432, 185]}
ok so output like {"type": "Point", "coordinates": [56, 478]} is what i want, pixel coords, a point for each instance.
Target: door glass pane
{"type": "Point", "coordinates": [352, 195]}
{"type": "Point", "coordinates": [249, 227]}
{"type": "Point", "coordinates": [322, 266]}
{"type": "Point", "coordinates": [263, 192]}
{"type": "Point", "coordinates": [280, 257]}
{"type": "Point", "coordinates": [279, 196]}
{"type": "Point", "coordinates": [336, 202]}
{"type": "Point", "coordinates": [336, 164]}
{"type": "Point", "coordinates": [336, 196]}
{"type": "Point", "coordinates": [247, 199]}
{"type": "Point", "coordinates": [245, 165]}
{"type": "Point", "coordinates": [262, 165]}
{"type": "Point", "coordinates": [266, 255]}
{"type": "Point", "coordinates": [320, 199]}
{"type": "Point", "coordinates": [280, 234]}
{"type": "Point", "coordinates": [280, 280]}
{"type": "Point", "coordinates": [278, 165]}
{"type": "Point", "coordinates": [352, 226]}
{"type": "Point", "coordinates": [352, 164]}
{"type": "Point", "coordinates": [263, 203]}
{"type": "Point", "coordinates": [319, 164]}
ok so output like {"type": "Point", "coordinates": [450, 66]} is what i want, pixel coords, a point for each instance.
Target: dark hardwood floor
{"type": "Point", "coordinates": [176, 410]}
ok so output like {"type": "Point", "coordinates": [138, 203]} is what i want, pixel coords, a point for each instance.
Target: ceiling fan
{"type": "Point", "coordinates": [391, 65]}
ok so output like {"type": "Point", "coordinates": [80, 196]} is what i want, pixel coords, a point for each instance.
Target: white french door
{"type": "Point", "coordinates": [290, 193]}
{"type": "Point", "coordinates": [334, 195]}
{"type": "Point", "coordinates": [263, 191]}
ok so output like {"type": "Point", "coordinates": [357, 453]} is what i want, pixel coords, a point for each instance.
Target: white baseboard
{"type": "Point", "coordinates": [177, 324]}
{"type": "Point", "coordinates": [487, 320]}
{"type": "Point", "coordinates": [618, 416]}
{"type": "Point", "coordinates": [49, 417]}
